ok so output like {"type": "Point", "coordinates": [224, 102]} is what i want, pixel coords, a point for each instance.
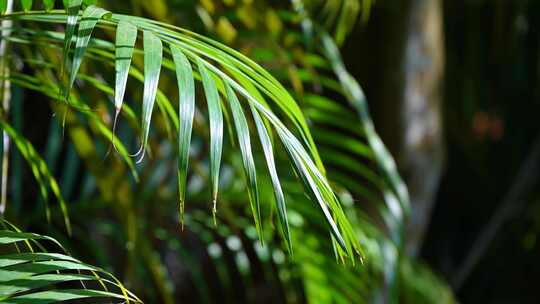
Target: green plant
{"type": "Point", "coordinates": [28, 271]}
{"type": "Point", "coordinates": [270, 143]}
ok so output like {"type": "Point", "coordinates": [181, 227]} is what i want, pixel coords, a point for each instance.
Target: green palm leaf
{"type": "Point", "coordinates": [216, 129]}
{"type": "Point", "coordinates": [34, 275]}
{"type": "Point", "coordinates": [270, 162]}
{"type": "Point", "coordinates": [186, 109]}
{"type": "Point", "coordinates": [153, 53]}
{"type": "Point", "coordinates": [126, 35]}
{"type": "Point", "coordinates": [72, 9]}
{"type": "Point", "coordinates": [88, 21]}
{"type": "Point", "coordinates": [244, 141]}
{"type": "Point", "coordinates": [221, 67]}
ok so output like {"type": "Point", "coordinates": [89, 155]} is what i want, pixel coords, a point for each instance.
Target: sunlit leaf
{"type": "Point", "coordinates": [244, 142]}
{"type": "Point", "coordinates": [220, 66]}
{"type": "Point", "coordinates": [126, 35]}
{"type": "Point", "coordinates": [186, 108]}
{"type": "Point", "coordinates": [153, 55]}
{"type": "Point", "coordinates": [216, 129]}
{"type": "Point", "coordinates": [90, 17]}
{"type": "Point", "coordinates": [72, 10]}
{"type": "Point", "coordinates": [270, 162]}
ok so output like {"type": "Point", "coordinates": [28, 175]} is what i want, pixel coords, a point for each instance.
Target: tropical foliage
{"type": "Point", "coordinates": [234, 199]}
{"type": "Point", "coordinates": [27, 266]}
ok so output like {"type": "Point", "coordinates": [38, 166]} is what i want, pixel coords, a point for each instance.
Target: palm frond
{"type": "Point", "coordinates": [186, 110]}
{"type": "Point", "coordinates": [215, 115]}
{"type": "Point", "coordinates": [30, 274]}
{"type": "Point", "coordinates": [247, 157]}
{"type": "Point", "coordinates": [214, 63]}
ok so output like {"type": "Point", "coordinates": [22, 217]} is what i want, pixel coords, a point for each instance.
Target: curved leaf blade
{"type": "Point", "coordinates": [33, 276]}
{"type": "Point", "coordinates": [276, 184]}
{"type": "Point", "coordinates": [39, 281]}
{"type": "Point", "coordinates": [126, 36]}
{"type": "Point", "coordinates": [10, 237]}
{"type": "Point", "coordinates": [45, 297]}
{"type": "Point", "coordinates": [72, 10]}
{"type": "Point", "coordinates": [242, 131]}
{"type": "Point", "coordinates": [186, 110]}
{"type": "Point", "coordinates": [153, 55]}
{"type": "Point", "coordinates": [89, 19]}
{"type": "Point", "coordinates": [216, 129]}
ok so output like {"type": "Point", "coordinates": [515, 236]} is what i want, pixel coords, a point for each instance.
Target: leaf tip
{"type": "Point", "coordinates": [214, 211]}
{"type": "Point", "coordinates": [181, 214]}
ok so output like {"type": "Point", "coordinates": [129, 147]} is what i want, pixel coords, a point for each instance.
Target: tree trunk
{"type": "Point", "coordinates": [422, 147]}
{"type": "Point", "coordinates": [401, 67]}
